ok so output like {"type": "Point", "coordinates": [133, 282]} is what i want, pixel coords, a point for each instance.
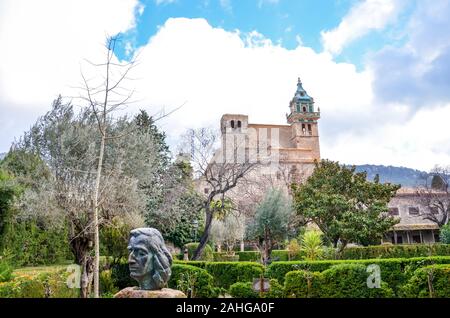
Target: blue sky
{"type": "Point", "coordinates": [378, 69]}
{"type": "Point", "coordinates": [285, 22]}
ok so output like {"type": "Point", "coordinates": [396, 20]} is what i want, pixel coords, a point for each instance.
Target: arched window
{"type": "Point", "coordinates": [239, 124]}
{"type": "Point", "coordinates": [309, 129]}
{"type": "Point", "coordinates": [232, 124]}
{"type": "Point", "coordinates": [304, 108]}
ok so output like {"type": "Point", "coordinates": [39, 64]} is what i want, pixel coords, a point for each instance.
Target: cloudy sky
{"type": "Point", "coordinates": [378, 69]}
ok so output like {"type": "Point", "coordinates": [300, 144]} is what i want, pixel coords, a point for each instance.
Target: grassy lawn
{"type": "Point", "coordinates": [34, 271]}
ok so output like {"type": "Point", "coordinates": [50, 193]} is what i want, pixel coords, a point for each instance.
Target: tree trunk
{"type": "Point", "coordinates": [95, 217]}
{"type": "Point", "coordinates": [81, 247]}
{"type": "Point", "coordinates": [205, 237]}
{"type": "Point", "coordinates": [266, 246]}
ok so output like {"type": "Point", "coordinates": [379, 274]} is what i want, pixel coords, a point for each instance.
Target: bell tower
{"type": "Point", "coordinates": [303, 119]}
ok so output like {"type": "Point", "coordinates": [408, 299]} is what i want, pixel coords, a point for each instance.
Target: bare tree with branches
{"type": "Point", "coordinates": [217, 173]}
{"type": "Point", "coordinates": [435, 196]}
{"type": "Point", "coordinates": [104, 96]}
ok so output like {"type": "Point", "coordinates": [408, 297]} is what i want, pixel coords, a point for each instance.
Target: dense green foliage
{"type": "Point", "coordinates": [225, 257]}
{"type": "Point", "coordinates": [444, 235]}
{"type": "Point", "coordinates": [193, 281]}
{"type": "Point", "coordinates": [228, 273]}
{"type": "Point", "coordinates": [249, 256]}
{"type": "Point", "coordinates": [32, 245]}
{"type": "Point", "coordinates": [311, 245]}
{"type": "Point", "coordinates": [207, 254]}
{"type": "Point", "coordinates": [344, 205]}
{"type": "Point", "coordinates": [243, 290]}
{"type": "Point", "coordinates": [339, 281]}
{"type": "Point", "coordinates": [394, 271]}
{"type": "Point", "coordinates": [430, 281]}
{"type": "Point", "coordinates": [396, 251]}
{"type": "Point", "coordinates": [271, 221]}
{"type": "Point", "coordinates": [9, 190]}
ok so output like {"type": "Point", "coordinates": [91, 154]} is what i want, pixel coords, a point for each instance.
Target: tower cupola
{"type": "Point", "coordinates": [302, 107]}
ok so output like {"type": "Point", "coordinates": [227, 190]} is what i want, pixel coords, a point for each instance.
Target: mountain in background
{"type": "Point", "coordinates": [407, 177]}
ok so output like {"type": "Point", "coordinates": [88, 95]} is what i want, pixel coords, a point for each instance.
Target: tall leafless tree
{"type": "Point", "coordinates": [434, 194]}
{"type": "Point", "coordinates": [105, 95]}
{"type": "Point", "coordinates": [217, 172]}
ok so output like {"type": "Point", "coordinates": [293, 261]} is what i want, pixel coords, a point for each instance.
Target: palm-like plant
{"type": "Point", "coordinates": [311, 244]}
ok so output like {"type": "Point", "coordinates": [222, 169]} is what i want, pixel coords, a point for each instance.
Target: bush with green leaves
{"type": "Point", "coordinates": [193, 281]}
{"type": "Point", "coordinates": [350, 281]}
{"type": "Point", "coordinates": [227, 273]}
{"type": "Point", "coordinates": [249, 256]}
{"type": "Point", "coordinates": [339, 281]}
{"type": "Point", "coordinates": [444, 235]}
{"type": "Point", "coordinates": [311, 245]}
{"type": "Point", "coordinates": [107, 287]}
{"type": "Point", "coordinates": [396, 251]}
{"type": "Point", "coordinates": [428, 282]}
{"type": "Point", "coordinates": [225, 257]}
{"type": "Point", "coordinates": [301, 284]}
{"type": "Point", "coordinates": [6, 270]}
{"type": "Point", "coordinates": [243, 290]}
{"type": "Point", "coordinates": [207, 254]}
{"type": "Point", "coordinates": [394, 271]}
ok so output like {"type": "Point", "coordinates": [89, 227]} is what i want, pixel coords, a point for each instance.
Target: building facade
{"type": "Point", "coordinates": [285, 152]}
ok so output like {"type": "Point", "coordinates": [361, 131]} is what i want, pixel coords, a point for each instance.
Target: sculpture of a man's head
{"type": "Point", "coordinates": [149, 260]}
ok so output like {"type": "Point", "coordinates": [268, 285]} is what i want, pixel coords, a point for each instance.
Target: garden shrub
{"type": "Point", "coordinates": [340, 281]}
{"type": "Point", "coordinates": [225, 257]}
{"type": "Point", "coordinates": [207, 254]}
{"type": "Point", "coordinates": [34, 246]}
{"type": "Point", "coordinates": [120, 275]}
{"type": "Point", "coordinates": [444, 236]}
{"type": "Point", "coordinates": [243, 290]}
{"type": "Point", "coordinates": [301, 284]}
{"type": "Point", "coordinates": [435, 276]}
{"type": "Point", "coordinates": [396, 251]}
{"type": "Point", "coordinates": [193, 281]}
{"type": "Point", "coordinates": [349, 281]}
{"type": "Point", "coordinates": [249, 256]}
{"type": "Point", "coordinates": [394, 271]}
{"type": "Point", "coordinates": [107, 287]}
{"type": "Point", "coordinates": [276, 290]}
{"type": "Point", "coordinates": [227, 273]}
{"type": "Point", "coordinates": [6, 270]}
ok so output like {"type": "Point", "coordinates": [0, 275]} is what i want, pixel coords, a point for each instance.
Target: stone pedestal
{"type": "Point", "coordinates": [134, 292]}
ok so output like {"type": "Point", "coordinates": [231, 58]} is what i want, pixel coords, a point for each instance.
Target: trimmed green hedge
{"type": "Point", "coordinates": [225, 257]}
{"type": "Point", "coordinates": [227, 273]}
{"type": "Point", "coordinates": [193, 281]}
{"type": "Point", "coordinates": [339, 281]}
{"type": "Point", "coordinates": [435, 276]}
{"type": "Point", "coordinates": [394, 271]}
{"type": "Point", "coordinates": [243, 290]}
{"type": "Point", "coordinates": [396, 251]}
{"type": "Point", "coordinates": [249, 256]}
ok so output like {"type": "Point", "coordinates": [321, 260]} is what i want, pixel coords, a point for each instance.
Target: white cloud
{"type": "Point", "coordinates": [362, 18]}
{"type": "Point", "coordinates": [226, 5]}
{"type": "Point", "coordinates": [216, 72]}
{"type": "Point", "coordinates": [262, 2]}
{"type": "Point", "coordinates": [158, 2]}
{"type": "Point", "coordinates": [43, 43]}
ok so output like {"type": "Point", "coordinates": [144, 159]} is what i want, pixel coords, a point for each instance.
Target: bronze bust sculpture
{"type": "Point", "coordinates": [149, 260]}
